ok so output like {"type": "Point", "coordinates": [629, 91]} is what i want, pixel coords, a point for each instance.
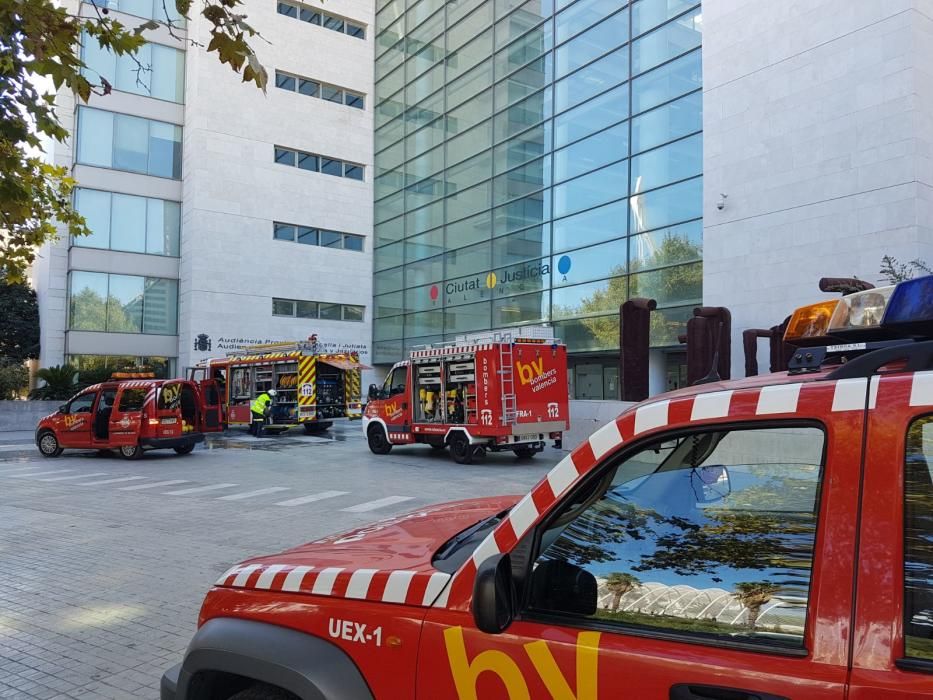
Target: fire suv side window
{"type": "Point", "coordinates": [708, 535]}
{"type": "Point", "coordinates": [83, 403]}
{"type": "Point", "coordinates": [395, 382]}
{"type": "Point", "coordinates": [918, 540]}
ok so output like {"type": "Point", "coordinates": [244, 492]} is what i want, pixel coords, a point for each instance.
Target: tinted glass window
{"type": "Point", "coordinates": [309, 88]}
{"type": "Point", "coordinates": [710, 534]}
{"type": "Point", "coordinates": [83, 403]}
{"type": "Point", "coordinates": [353, 242]}
{"type": "Point", "coordinates": [132, 400]}
{"type": "Point", "coordinates": [329, 166]}
{"type": "Point", "coordinates": [308, 236]}
{"type": "Point", "coordinates": [283, 307]}
{"type": "Point", "coordinates": [286, 82]}
{"type": "Point", "coordinates": [284, 156]}
{"type": "Point", "coordinates": [284, 232]}
{"type": "Point", "coordinates": [918, 540]}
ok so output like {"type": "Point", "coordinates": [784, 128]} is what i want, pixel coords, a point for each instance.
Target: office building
{"type": "Point", "coordinates": [220, 216]}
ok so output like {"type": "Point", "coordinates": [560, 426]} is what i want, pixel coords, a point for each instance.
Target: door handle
{"type": "Point", "coordinates": [691, 691]}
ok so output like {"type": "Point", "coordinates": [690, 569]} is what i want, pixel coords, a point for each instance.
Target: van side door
{"type": "Point", "coordinates": [126, 419]}
{"type": "Point", "coordinates": [893, 642]}
{"type": "Point", "coordinates": [211, 406]}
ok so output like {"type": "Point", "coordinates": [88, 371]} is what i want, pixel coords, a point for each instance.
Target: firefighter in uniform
{"type": "Point", "coordinates": [260, 408]}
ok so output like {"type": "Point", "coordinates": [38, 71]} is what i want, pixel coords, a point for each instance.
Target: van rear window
{"type": "Point", "coordinates": [132, 400]}
{"type": "Point", "coordinates": [170, 396]}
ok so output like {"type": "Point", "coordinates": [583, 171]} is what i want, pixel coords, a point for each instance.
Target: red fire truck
{"type": "Point", "coordinates": [484, 392]}
{"type": "Point", "coordinates": [313, 388]}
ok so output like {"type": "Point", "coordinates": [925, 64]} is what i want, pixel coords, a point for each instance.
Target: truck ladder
{"type": "Point", "coordinates": [507, 383]}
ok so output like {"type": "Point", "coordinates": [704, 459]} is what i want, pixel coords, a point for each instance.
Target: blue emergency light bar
{"type": "Point", "coordinates": [909, 311]}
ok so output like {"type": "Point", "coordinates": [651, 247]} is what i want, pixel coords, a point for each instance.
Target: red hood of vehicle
{"type": "Point", "coordinates": [389, 560]}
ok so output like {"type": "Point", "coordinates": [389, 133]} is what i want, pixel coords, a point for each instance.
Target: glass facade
{"type": "Point", "coordinates": [99, 301]}
{"type": "Point", "coordinates": [129, 223]}
{"type": "Point", "coordinates": [153, 71]}
{"type": "Point", "coordinates": [535, 162]}
{"type": "Point", "coordinates": [124, 142]}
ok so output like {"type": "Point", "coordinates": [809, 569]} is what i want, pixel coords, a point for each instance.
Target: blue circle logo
{"type": "Point", "coordinates": [563, 265]}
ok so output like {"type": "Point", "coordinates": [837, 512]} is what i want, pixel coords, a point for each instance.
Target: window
{"type": "Point", "coordinates": [314, 88]}
{"type": "Point", "coordinates": [161, 367]}
{"type": "Point", "coordinates": [154, 70]}
{"type": "Point", "coordinates": [316, 163]}
{"type": "Point", "coordinates": [159, 10]}
{"type": "Point", "coordinates": [130, 223]}
{"type": "Point", "coordinates": [325, 19]}
{"type": "Point", "coordinates": [283, 307]}
{"type": "Point", "coordinates": [719, 527]}
{"type": "Point", "coordinates": [132, 400]}
{"type": "Point", "coordinates": [319, 237]}
{"type": "Point", "coordinates": [317, 309]}
{"type": "Point", "coordinates": [81, 404]}
{"type": "Point", "coordinates": [123, 303]}
{"type": "Point", "coordinates": [918, 529]}
{"type": "Point", "coordinates": [134, 144]}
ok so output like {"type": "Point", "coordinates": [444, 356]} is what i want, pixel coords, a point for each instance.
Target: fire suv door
{"type": "Point", "coordinates": [893, 641]}
{"type": "Point", "coordinates": [211, 416]}
{"type": "Point", "coordinates": [673, 557]}
{"type": "Point", "coordinates": [396, 409]}
{"type": "Point", "coordinates": [76, 421]}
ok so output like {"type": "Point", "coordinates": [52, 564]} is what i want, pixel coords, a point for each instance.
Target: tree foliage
{"type": "Point", "coordinates": [893, 271]}
{"type": "Point", "coordinates": [13, 378]}
{"type": "Point", "coordinates": [59, 383]}
{"type": "Point", "coordinates": [664, 278]}
{"type": "Point", "coordinates": [41, 40]}
{"type": "Point", "coordinates": [19, 322]}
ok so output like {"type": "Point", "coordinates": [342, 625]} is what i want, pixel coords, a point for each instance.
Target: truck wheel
{"type": "Point", "coordinates": [186, 450]}
{"type": "Point", "coordinates": [261, 691]}
{"type": "Point", "coordinates": [131, 451]}
{"type": "Point", "coordinates": [317, 427]}
{"type": "Point", "coordinates": [48, 445]}
{"type": "Point", "coordinates": [465, 453]}
{"type": "Point", "coordinates": [524, 452]}
{"type": "Point", "coordinates": [378, 442]}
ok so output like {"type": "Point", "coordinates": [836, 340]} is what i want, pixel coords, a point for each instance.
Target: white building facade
{"type": "Point", "coordinates": [220, 216]}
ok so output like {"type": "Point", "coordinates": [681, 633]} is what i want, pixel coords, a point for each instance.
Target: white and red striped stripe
{"type": "Point", "coordinates": [405, 587]}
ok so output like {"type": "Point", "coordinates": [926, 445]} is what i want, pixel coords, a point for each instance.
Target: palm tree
{"type": "Point", "coordinates": [619, 583]}
{"type": "Point", "coordinates": [59, 383]}
{"type": "Point", "coordinates": [753, 595]}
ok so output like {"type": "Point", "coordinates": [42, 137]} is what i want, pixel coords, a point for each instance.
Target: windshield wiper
{"type": "Point", "coordinates": [454, 542]}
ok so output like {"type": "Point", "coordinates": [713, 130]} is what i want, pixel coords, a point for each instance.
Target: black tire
{"type": "Point", "coordinates": [261, 691]}
{"type": "Point", "coordinates": [463, 452]}
{"type": "Point", "coordinates": [524, 452]}
{"type": "Point", "coordinates": [186, 450]}
{"type": "Point", "coordinates": [317, 427]}
{"type": "Point", "coordinates": [131, 451]}
{"type": "Point", "coordinates": [378, 440]}
{"type": "Point", "coordinates": [48, 444]}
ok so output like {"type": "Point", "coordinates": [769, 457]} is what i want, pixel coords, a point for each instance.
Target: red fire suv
{"type": "Point", "coordinates": [132, 416]}
{"type": "Point", "coordinates": [769, 538]}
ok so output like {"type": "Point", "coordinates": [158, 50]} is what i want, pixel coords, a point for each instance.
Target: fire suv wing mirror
{"type": "Point", "coordinates": [63, 408]}
{"type": "Point", "coordinates": [558, 586]}
{"type": "Point", "coordinates": [373, 392]}
{"type": "Point", "coordinates": [494, 595]}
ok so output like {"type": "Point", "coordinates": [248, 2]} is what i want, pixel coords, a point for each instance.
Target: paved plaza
{"type": "Point", "coordinates": [106, 561]}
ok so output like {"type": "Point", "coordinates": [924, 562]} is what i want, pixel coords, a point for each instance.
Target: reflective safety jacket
{"type": "Point", "coordinates": [260, 403]}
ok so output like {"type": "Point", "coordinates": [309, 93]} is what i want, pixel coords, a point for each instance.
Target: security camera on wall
{"type": "Point", "coordinates": [721, 204]}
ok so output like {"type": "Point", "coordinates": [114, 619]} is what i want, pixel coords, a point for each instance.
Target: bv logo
{"type": "Point", "coordinates": [527, 373]}
{"type": "Point", "coordinates": [73, 422]}
{"type": "Point", "coordinates": [467, 672]}
{"type": "Point", "coordinates": [391, 408]}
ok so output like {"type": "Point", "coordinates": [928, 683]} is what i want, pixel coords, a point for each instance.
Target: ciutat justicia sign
{"type": "Point", "coordinates": [515, 279]}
